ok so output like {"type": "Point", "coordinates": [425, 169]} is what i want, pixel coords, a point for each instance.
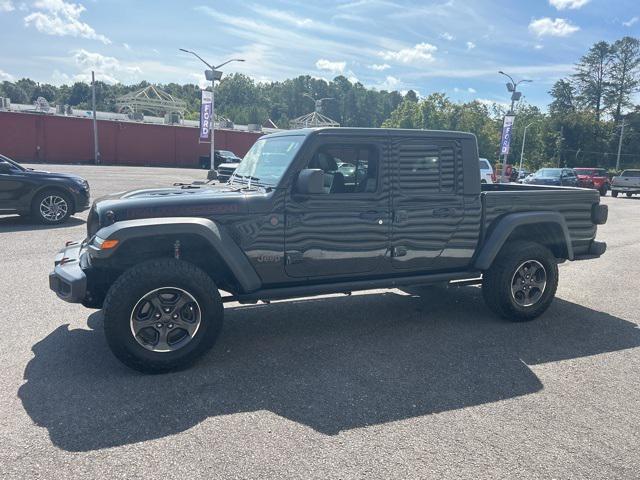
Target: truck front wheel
{"type": "Point", "coordinates": [162, 315]}
{"type": "Point", "coordinates": [522, 281]}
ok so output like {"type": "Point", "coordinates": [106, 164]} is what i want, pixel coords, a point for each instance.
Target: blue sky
{"type": "Point", "coordinates": [452, 46]}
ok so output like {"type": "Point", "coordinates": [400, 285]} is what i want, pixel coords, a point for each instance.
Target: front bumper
{"type": "Point", "coordinates": [68, 280]}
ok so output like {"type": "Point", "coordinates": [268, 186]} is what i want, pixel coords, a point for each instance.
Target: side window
{"type": "Point", "coordinates": [348, 168]}
{"type": "Point", "coordinates": [425, 169]}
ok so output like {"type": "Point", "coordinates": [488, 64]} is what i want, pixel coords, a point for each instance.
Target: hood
{"type": "Point", "coordinates": [44, 173]}
{"type": "Point", "coordinates": [544, 181]}
{"type": "Point", "coordinates": [207, 201]}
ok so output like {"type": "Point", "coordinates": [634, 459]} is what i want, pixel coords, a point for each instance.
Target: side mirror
{"type": "Point", "coordinates": [5, 168]}
{"type": "Point", "coordinates": [310, 181]}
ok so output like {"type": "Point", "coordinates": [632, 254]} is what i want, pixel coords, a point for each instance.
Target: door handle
{"type": "Point", "coordinates": [441, 212]}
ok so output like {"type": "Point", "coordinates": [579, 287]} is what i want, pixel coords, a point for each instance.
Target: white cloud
{"type": "Point", "coordinates": [447, 36]}
{"type": "Point", "coordinates": [336, 68]}
{"type": "Point", "coordinates": [126, 46]}
{"type": "Point", "coordinates": [6, 6]}
{"type": "Point", "coordinates": [379, 68]}
{"type": "Point", "coordinates": [632, 21]}
{"type": "Point", "coordinates": [6, 76]}
{"type": "Point", "coordinates": [558, 27]}
{"type": "Point", "coordinates": [570, 4]}
{"type": "Point", "coordinates": [57, 17]}
{"type": "Point", "coordinates": [471, 90]}
{"type": "Point", "coordinates": [471, 45]}
{"type": "Point", "coordinates": [422, 52]}
{"type": "Point", "coordinates": [283, 16]}
{"type": "Point", "coordinates": [390, 83]}
{"type": "Point", "coordinates": [107, 69]}
{"type": "Point", "coordinates": [538, 46]}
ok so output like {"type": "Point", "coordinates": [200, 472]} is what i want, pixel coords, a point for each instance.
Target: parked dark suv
{"type": "Point", "coordinates": [49, 198]}
{"type": "Point", "coordinates": [560, 177]}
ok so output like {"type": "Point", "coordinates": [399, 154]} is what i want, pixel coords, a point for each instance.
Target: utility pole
{"type": "Point", "coordinates": [620, 145]}
{"type": "Point", "coordinates": [96, 150]}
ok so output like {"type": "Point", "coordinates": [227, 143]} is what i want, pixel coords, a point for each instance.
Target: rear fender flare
{"type": "Point", "coordinates": [215, 235]}
{"type": "Point", "coordinates": [506, 225]}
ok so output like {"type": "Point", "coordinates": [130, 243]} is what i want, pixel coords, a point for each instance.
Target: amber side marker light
{"type": "Point", "coordinates": [109, 244]}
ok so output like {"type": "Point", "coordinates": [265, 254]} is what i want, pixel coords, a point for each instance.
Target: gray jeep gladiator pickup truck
{"type": "Point", "coordinates": [312, 212]}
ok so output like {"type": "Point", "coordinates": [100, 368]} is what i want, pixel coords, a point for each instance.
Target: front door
{"type": "Point", "coordinates": [345, 230]}
{"type": "Point", "coordinates": [12, 186]}
{"type": "Point", "coordinates": [428, 204]}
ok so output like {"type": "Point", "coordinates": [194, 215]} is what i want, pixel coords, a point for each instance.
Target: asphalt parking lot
{"type": "Point", "coordinates": [383, 384]}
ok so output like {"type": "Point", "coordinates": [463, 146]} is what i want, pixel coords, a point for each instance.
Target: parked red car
{"type": "Point", "coordinates": [594, 178]}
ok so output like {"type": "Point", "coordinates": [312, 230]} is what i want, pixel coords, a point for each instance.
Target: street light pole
{"type": "Point", "coordinates": [620, 146]}
{"type": "Point", "coordinates": [515, 96]}
{"type": "Point", "coordinates": [524, 139]}
{"type": "Point", "coordinates": [215, 75]}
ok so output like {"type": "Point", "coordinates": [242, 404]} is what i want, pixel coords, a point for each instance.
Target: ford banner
{"type": "Point", "coordinates": [205, 116]}
{"type": "Point", "coordinates": [507, 126]}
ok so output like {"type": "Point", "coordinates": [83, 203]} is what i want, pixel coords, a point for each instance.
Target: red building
{"type": "Point", "coordinates": [45, 138]}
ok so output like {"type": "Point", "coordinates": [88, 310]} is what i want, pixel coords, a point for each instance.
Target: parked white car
{"type": "Point", "coordinates": [486, 172]}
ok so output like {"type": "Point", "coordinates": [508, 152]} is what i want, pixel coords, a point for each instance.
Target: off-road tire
{"type": "Point", "coordinates": [36, 212]}
{"type": "Point", "coordinates": [603, 190]}
{"type": "Point", "coordinates": [629, 195]}
{"type": "Point", "coordinates": [614, 193]}
{"type": "Point", "coordinates": [497, 280]}
{"type": "Point", "coordinates": [137, 282]}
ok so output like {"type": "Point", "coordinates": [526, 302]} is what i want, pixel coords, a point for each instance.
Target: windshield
{"type": "Point", "coordinates": [268, 159]}
{"type": "Point", "coordinates": [631, 173]}
{"type": "Point", "coordinates": [548, 173]}
{"type": "Point", "coordinates": [4, 159]}
{"type": "Point", "coordinates": [484, 164]}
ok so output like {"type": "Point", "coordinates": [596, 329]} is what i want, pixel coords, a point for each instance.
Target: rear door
{"type": "Point", "coordinates": [344, 231]}
{"type": "Point", "coordinates": [427, 202]}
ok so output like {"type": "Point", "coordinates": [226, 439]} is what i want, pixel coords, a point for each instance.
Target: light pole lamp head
{"type": "Point", "coordinates": [212, 75]}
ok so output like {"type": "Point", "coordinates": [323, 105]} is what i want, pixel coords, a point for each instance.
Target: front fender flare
{"type": "Point", "coordinates": [215, 235]}
{"type": "Point", "coordinates": [505, 227]}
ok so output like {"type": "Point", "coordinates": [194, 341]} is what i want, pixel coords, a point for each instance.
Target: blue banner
{"type": "Point", "coordinates": [205, 116]}
{"type": "Point", "coordinates": [507, 128]}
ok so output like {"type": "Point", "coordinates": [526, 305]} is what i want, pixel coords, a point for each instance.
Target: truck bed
{"type": "Point", "coordinates": [574, 204]}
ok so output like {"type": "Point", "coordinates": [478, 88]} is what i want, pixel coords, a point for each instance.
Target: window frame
{"type": "Point", "coordinates": [333, 142]}
{"type": "Point", "coordinates": [439, 143]}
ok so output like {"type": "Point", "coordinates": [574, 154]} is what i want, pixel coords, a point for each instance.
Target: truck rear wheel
{"type": "Point", "coordinates": [522, 281]}
{"type": "Point", "coordinates": [162, 315]}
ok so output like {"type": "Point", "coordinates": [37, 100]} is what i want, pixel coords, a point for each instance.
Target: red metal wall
{"type": "Point", "coordinates": [31, 137]}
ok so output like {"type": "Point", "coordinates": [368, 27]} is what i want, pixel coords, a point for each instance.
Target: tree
{"type": "Point", "coordinates": [563, 95]}
{"type": "Point", "coordinates": [624, 76]}
{"type": "Point", "coordinates": [79, 95]}
{"type": "Point", "coordinates": [592, 77]}
{"type": "Point", "coordinates": [15, 93]}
